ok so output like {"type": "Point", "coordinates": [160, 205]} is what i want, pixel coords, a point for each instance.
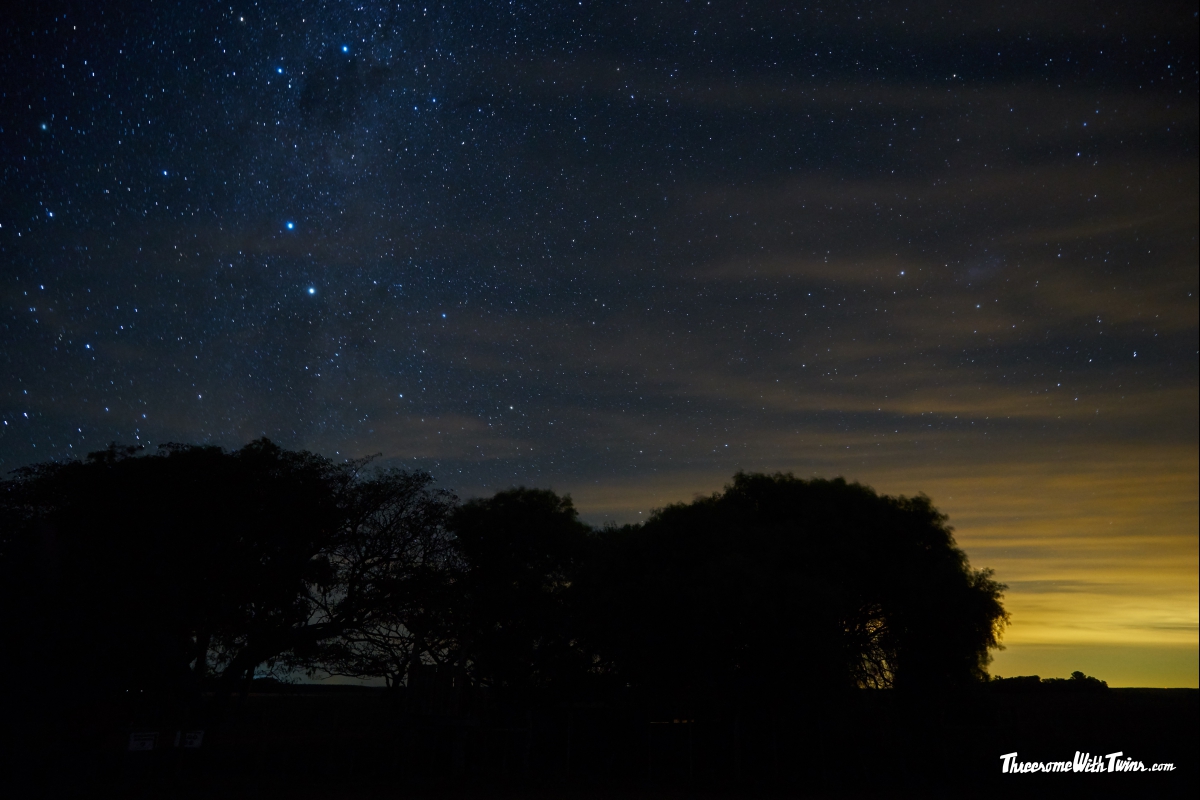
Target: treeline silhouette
{"type": "Point", "coordinates": [1078, 682]}
{"type": "Point", "coordinates": [194, 566]}
{"type": "Point", "coordinates": [154, 589]}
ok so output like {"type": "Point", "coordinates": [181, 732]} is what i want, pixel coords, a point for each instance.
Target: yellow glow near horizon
{"type": "Point", "coordinates": [1100, 554]}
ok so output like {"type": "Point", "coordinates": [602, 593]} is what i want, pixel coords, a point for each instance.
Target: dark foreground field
{"type": "Point", "coordinates": [343, 742]}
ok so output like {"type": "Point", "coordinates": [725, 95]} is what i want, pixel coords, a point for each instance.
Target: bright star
{"type": "Point", "coordinates": [164, 172]}
{"type": "Point", "coordinates": [279, 70]}
{"type": "Point", "coordinates": [345, 48]}
{"type": "Point", "coordinates": [312, 290]}
{"type": "Point", "coordinates": [291, 226]}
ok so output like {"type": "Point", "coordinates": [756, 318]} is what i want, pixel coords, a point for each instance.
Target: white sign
{"type": "Point", "coordinates": [141, 742]}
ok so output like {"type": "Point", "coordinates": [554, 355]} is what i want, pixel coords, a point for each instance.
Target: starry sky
{"type": "Point", "coordinates": [624, 250]}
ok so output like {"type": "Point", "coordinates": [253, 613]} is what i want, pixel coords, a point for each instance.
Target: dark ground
{"type": "Point", "coordinates": [344, 742]}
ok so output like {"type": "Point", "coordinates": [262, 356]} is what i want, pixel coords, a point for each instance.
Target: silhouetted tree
{"type": "Point", "coordinates": [522, 549]}
{"type": "Point", "coordinates": [778, 584]}
{"type": "Point", "coordinates": [159, 571]}
{"type": "Point", "coordinates": [407, 595]}
{"type": "Point", "coordinates": [1078, 682]}
{"type": "Point", "coordinates": [381, 576]}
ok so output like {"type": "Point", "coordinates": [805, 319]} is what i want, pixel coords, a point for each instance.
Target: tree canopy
{"type": "Point", "coordinates": [778, 583]}
{"type": "Point", "coordinates": [169, 568]}
{"type": "Point", "coordinates": [524, 550]}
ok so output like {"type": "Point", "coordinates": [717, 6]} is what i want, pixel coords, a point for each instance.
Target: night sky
{"type": "Point", "coordinates": [625, 250]}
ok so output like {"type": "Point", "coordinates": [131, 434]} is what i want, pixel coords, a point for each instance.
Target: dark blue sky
{"type": "Point", "coordinates": [556, 243]}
